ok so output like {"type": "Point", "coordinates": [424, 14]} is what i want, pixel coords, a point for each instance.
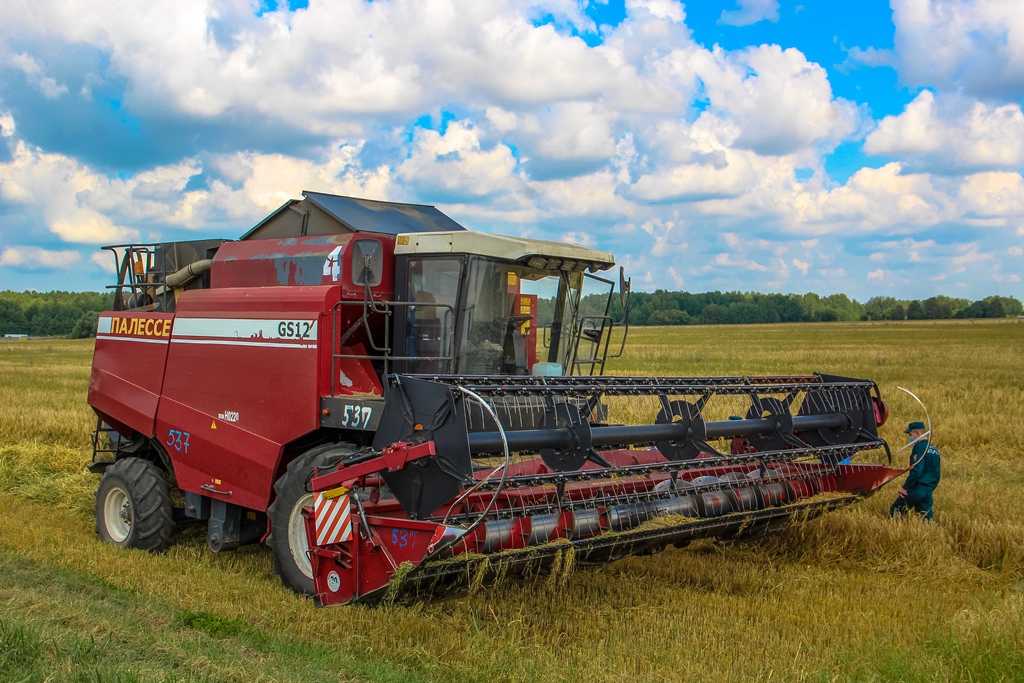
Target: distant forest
{"type": "Point", "coordinates": [52, 314]}
{"type": "Point", "coordinates": [738, 308]}
{"type": "Point", "coordinates": [74, 314]}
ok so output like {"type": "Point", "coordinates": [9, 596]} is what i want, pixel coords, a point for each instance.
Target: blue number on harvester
{"type": "Point", "coordinates": [399, 537]}
{"type": "Point", "coordinates": [178, 440]}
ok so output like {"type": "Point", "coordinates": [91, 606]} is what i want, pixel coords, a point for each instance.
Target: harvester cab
{"type": "Point", "coordinates": [403, 408]}
{"type": "Point", "coordinates": [481, 304]}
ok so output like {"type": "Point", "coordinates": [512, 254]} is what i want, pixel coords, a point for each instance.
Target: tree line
{"type": "Point", "coordinates": [717, 308]}
{"type": "Point", "coordinates": [52, 314]}
{"type": "Point", "coordinates": [74, 314]}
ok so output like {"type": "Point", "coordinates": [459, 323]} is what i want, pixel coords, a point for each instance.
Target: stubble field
{"type": "Point", "coordinates": [851, 596]}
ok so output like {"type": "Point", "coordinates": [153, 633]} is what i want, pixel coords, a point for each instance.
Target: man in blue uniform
{"type": "Point", "coordinates": [924, 475]}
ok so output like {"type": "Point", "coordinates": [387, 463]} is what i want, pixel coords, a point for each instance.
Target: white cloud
{"type": "Point", "coordinates": [262, 182]}
{"type": "Point", "coordinates": [876, 274]}
{"type": "Point", "coordinates": [455, 163]}
{"type": "Point", "coordinates": [646, 143]}
{"type": "Point", "coordinates": [780, 100]}
{"type": "Point", "coordinates": [952, 134]}
{"type": "Point", "coordinates": [406, 57]}
{"type": "Point", "coordinates": [34, 74]}
{"type": "Point", "coordinates": [751, 12]}
{"type": "Point", "coordinates": [968, 257]}
{"type": "Point", "coordinates": [744, 262]}
{"type": "Point", "coordinates": [580, 130]}
{"type": "Point", "coordinates": [202, 60]}
{"type": "Point", "coordinates": [676, 278]}
{"type": "Point", "coordinates": [34, 257]}
{"type": "Point", "coordinates": [697, 182]}
{"type": "Point", "coordinates": [993, 194]}
{"type": "Point", "coordinates": [870, 57]}
{"type": "Point", "coordinates": [1015, 251]}
{"type": "Point", "coordinates": [663, 9]}
{"type": "Point", "coordinates": [667, 239]}
{"type": "Point", "coordinates": [503, 121]}
{"type": "Point", "coordinates": [585, 195]}
{"type": "Point", "coordinates": [579, 237]}
{"type": "Point", "coordinates": [80, 204]}
{"type": "Point", "coordinates": [874, 199]}
{"type": "Point", "coordinates": [908, 249]}
{"type": "Point", "coordinates": [104, 260]}
{"type": "Point", "coordinates": [7, 126]}
{"type": "Point", "coordinates": [62, 188]}
{"type": "Point", "coordinates": [977, 45]}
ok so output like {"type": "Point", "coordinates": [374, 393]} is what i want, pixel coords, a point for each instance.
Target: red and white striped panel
{"type": "Point", "coordinates": [333, 519]}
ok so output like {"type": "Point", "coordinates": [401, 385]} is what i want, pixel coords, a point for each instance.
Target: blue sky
{"type": "Point", "coordinates": [768, 145]}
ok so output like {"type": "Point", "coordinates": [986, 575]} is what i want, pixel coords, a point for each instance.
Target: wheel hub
{"type": "Point", "coordinates": [118, 514]}
{"type": "Point", "coordinates": [297, 542]}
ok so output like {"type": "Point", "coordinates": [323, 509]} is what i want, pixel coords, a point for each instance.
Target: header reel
{"type": "Point", "coordinates": [518, 465]}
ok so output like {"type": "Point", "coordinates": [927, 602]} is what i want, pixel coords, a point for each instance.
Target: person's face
{"type": "Point", "coordinates": [915, 434]}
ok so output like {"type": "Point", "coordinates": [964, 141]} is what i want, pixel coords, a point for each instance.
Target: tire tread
{"type": "Point", "coordinates": [289, 487]}
{"type": "Point", "coordinates": [153, 520]}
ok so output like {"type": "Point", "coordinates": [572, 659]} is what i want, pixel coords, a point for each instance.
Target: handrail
{"type": "Point", "coordinates": [625, 320]}
{"type": "Point", "coordinates": [599, 359]}
{"type": "Point", "coordinates": [384, 354]}
{"type": "Point", "coordinates": [135, 282]}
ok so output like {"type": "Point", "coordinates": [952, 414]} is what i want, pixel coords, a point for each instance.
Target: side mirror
{"type": "Point", "coordinates": [624, 285]}
{"type": "Point", "coordinates": [367, 262]}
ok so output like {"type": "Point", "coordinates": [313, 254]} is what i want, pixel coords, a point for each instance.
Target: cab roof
{"type": "Point", "coordinates": [535, 253]}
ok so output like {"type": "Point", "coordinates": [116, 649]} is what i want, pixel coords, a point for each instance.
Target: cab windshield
{"type": "Point", "coordinates": [508, 318]}
{"type": "Point", "coordinates": [514, 317]}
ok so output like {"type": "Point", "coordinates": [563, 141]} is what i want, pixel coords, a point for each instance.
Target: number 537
{"type": "Point", "coordinates": [177, 440]}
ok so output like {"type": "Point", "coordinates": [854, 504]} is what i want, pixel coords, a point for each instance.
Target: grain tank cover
{"type": "Point", "coordinates": [328, 214]}
{"type": "Point", "coordinates": [389, 218]}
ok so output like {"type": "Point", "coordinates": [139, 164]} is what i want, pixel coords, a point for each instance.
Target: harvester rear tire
{"type": "Point", "coordinates": [287, 529]}
{"type": "Point", "coordinates": [134, 507]}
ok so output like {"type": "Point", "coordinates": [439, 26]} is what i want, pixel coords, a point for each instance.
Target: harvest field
{"type": "Point", "coordinates": [851, 596]}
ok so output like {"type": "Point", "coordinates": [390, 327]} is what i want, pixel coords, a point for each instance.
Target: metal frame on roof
{"type": "Point", "coordinates": [389, 218]}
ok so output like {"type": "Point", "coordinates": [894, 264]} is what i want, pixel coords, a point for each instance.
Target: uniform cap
{"type": "Point", "coordinates": [914, 425]}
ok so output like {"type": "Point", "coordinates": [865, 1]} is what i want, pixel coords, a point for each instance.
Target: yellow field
{"type": "Point", "coordinates": [852, 596]}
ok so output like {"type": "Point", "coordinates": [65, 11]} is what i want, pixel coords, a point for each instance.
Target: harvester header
{"type": "Point", "coordinates": [403, 409]}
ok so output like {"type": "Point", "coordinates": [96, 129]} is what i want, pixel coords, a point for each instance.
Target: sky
{"type": "Point", "coordinates": [754, 145]}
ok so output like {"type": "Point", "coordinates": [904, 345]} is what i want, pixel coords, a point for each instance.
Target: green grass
{"type": "Point", "coordinates": [851, 596]}
{"type": "Point", "coordinates": [62, 625]}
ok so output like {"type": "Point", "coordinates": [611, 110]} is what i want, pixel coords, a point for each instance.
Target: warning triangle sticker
{"type": "Point", "coordinates": [213, 425]}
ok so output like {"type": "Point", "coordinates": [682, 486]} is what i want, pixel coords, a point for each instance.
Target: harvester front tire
{"type": "Point", "coordinates": [134, 507]}
{"type": "Point", "coordinates": [287, 537]}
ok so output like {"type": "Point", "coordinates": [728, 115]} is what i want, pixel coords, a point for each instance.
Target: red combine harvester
{"type": "Point", "coordinates": [403, 409]}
